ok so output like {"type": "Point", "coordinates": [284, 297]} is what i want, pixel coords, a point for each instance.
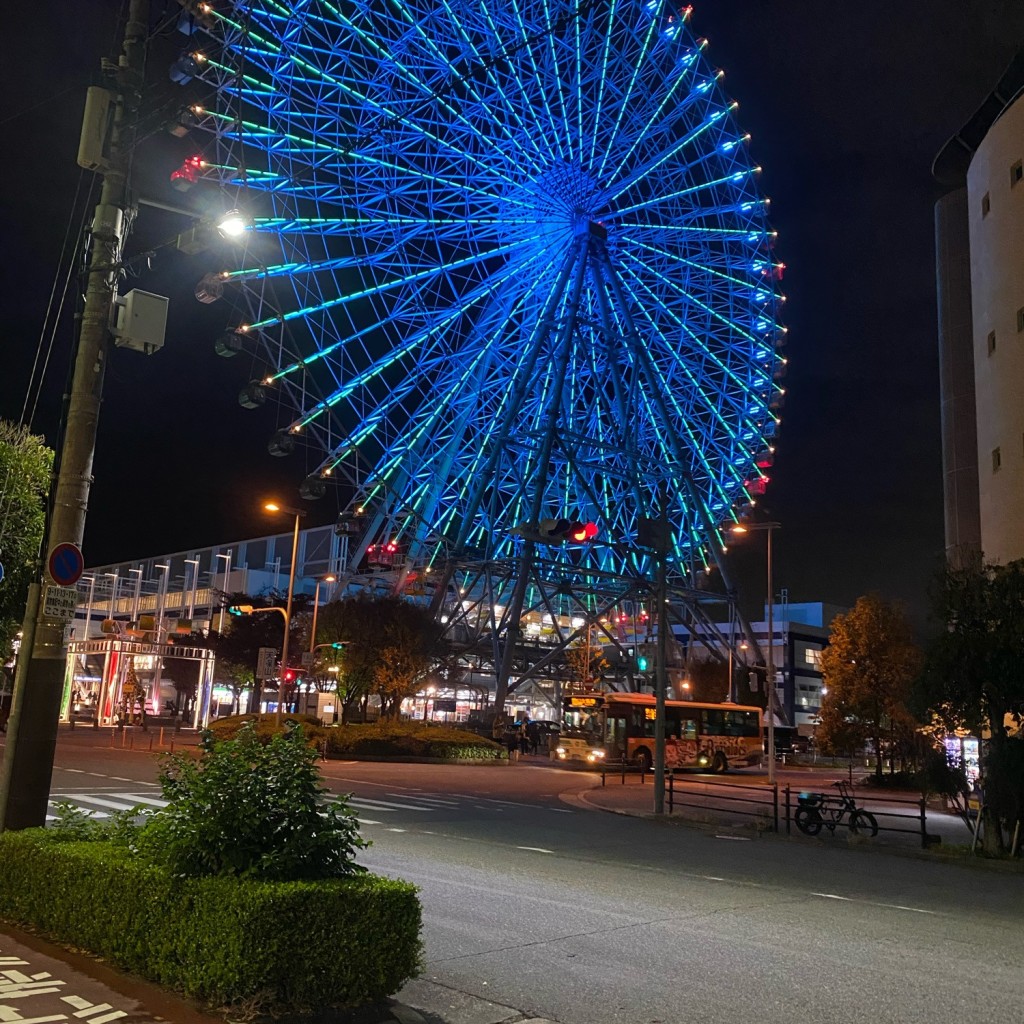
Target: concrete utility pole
{"type": "Point", "coordinates": [32, 730]}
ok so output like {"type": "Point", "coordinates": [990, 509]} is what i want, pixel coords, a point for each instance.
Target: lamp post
{"type": "Point", "coordinates": [88, 607]}
{"type": "Point", "coordinates": [271, 506]}
{"type": "Point", "coordinates": [227, 578]}
{"type": "Point", "coordinates": [769, 528]}
{"type": "Point", "coordinates": [194, 562]}
{"type": "Point", "coordinates": [137, 594]}
{"type": "Point", "coordinates": [113, 592]}
{"type": "Point", "coordinates": [316, 607]}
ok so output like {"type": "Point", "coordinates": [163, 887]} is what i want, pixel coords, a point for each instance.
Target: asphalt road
{"type": "Point", "coordinates": [534, 901]}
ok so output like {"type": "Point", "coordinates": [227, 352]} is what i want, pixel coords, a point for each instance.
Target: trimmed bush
{"type": "Point", "coordinates": [408, 739]}
{"type": "Point", "coordinates": [266, 727]}
{"type": "Point", "coordinates": [293, 945]}
{"type": "Point", "coordinates": [251, 809]}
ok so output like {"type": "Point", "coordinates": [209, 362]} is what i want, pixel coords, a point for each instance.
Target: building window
{"type": "Point", "coordinates": [1016, 173]}
{"type": "Point", "coordinates": [986, 205]}
{"type": "Point", "coordinates": [997, 460]}
{"type": "Point", "coordinates": [812, 656]}
{"type": "Point", "coordinates": [991, 342]}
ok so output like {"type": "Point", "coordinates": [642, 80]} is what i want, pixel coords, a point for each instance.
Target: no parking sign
{"type": "Point", "coordinates": [66, 564]}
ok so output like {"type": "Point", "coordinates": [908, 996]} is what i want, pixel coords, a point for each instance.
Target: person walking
{"type": "Point", "coordinates": [524, 739]}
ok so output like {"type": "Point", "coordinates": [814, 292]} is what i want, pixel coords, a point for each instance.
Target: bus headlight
{"type": "Point", "coordinates": [561, 752]}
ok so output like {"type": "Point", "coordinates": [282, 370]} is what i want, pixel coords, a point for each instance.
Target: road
{"type": "Point", "coordinates": [535, 901]}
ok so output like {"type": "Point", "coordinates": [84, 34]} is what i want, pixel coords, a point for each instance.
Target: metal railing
{"type": "Point", "coordinates": [773, 804]}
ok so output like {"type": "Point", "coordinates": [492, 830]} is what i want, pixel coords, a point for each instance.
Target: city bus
{"type": "Point", "coordinates": [602, 727]}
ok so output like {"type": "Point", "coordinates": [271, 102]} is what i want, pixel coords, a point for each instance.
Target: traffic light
{"type": "Point", "coordinates": [641, 664]}
{"type": "Point", "coordinates": [338, 646]}
{"type": "Point", "coordinates": [240, 609]}
{"type": "Point", "coordinates": [572, 531]}
{"type": "Point", "coordinates": [288, 675]}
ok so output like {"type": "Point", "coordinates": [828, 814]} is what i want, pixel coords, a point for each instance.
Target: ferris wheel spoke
{"type": "Point", "coordinates": [628, 92]}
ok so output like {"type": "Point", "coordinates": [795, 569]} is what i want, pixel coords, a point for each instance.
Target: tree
{"type": "Point", "coordinates": [26, 465]}
{"type": "Point", "coordinates": [237, 650]}
{"type": "Point", "coordinates": [586, 662]}
{"type": "Point", "coordinates": [972, 676]}
{"type": "Point", "coordinates": [869, 669]}
{"type": "Point", "coordinates": [390, 646]}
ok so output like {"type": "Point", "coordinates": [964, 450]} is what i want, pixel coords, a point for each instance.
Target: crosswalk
{"type": "Point", "coordinates": [102, 804]}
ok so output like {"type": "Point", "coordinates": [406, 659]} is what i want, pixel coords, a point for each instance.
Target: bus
{"type": "Point", "coordinates": [601, 727]}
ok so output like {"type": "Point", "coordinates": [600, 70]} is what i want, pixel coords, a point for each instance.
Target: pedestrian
{"type": "Point", "coordinates": [524, 739]}
{"type": "Point", "coordinates": [533, 732]}
{"type": "Point", "coordinates": [511, 741]}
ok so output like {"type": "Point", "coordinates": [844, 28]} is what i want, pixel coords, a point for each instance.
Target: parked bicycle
{"type": "Point", "coordinates": [815, 810]}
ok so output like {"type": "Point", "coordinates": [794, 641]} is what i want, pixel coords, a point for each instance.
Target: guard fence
{"type": "Point", "coordinates": [773, 806]}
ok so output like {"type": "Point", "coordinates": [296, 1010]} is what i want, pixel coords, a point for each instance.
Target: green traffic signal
{"type": "Point", "coordinates": [338, 646]}
{"type": "Point", "coordinates": [641, 664]}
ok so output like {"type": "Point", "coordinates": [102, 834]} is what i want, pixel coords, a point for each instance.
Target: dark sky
{"type": "Point", "coordinates": [847, 105]}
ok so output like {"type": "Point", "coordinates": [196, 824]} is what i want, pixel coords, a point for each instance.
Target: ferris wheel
{"type": "Point", "coordinates": [509, 262]}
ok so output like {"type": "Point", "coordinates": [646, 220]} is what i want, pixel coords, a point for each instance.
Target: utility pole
{"type": "Point", "coordinates": [32, 730]}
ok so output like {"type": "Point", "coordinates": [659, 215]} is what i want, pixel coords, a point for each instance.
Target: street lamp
{"type": "Point", "coordinates": [316, 607]}
{"type": "Point", "coordinates": [113, 592]}
{"type": "Point", "coordinates": [271, 506]}
{"type": "Point", "coordinates": [769, 528]}
{"type": "Point", "coordinates": [227, 575]}
{"type": "Point", "coordinates": [192, 590]}
{"type": "Point", "coordinates": [137, 594]}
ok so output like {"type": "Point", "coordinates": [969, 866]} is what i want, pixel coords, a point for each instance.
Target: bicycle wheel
{"type": "Point", "coordinates": [863, 823]}
{"type": "Point", "coordinates": [808, 820]}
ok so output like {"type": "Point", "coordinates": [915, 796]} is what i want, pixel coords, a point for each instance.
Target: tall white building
{"type": "Point", "coordinates": [980, 283]}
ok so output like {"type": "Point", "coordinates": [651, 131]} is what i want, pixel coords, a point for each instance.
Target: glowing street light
{"type": "Point", "coordinates": [233, 224]}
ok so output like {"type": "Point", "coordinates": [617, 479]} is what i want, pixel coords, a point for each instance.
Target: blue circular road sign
{"type": "Point", "coordinates": [66, 564]}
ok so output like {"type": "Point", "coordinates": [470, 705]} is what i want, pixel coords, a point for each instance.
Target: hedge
{"type": "Point", "coordinates": [281, 945]}
{"type": "Point", "coordinates": [401, 739]}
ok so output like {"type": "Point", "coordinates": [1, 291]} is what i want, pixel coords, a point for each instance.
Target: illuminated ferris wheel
{"type": "Point", "coordinates": [508, 261]}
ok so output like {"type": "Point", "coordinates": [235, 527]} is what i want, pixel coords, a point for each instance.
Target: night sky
{"type": "Point", "coordinates": [847, 104]}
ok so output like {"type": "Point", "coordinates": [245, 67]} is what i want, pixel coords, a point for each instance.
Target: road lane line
{"type": "Point", "coordinates": [535, 849]}
{"type": "Point", "coordinates": [832, 896]}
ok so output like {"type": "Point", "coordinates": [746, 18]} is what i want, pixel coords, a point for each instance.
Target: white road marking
{"type": "Point", "coordinates": [77, 771]}
{"type": "Point", "coordinates": [535, 849]}
{"type": "Point", "coordinates": [736, 839]}
{"type": "Point", "coordinates": [385, 805]}
{"type": "Point", "coordinates": [712, 878]}
{"type": "Point", "coordinates": [369, 821]}
{"type": "Point", "coordinates": [394, 830]}
{"type": "Point", "coordinates": [425, 799]}
{"type": "Point", "coordinates": [124, 804]}
{"type": "Point", "coordinates": [873, 903]}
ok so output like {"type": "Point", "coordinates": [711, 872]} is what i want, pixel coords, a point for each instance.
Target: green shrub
{"type": "Point", "coordinates": [279, 945]}
{"type": "Point", "coordinates": [252, 810]}
{"type": "Point", "coordinates": [410, 739]}
{"type": "Point", "coordinates": [266, 727]}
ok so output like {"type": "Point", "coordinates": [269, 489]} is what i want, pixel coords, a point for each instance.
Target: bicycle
{"type": "Point", "coordinates": [822, 809]}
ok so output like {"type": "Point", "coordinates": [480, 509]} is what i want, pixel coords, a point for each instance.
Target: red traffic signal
{"type": "Point", "coordinates": [557, 531]}
{"type": "Point", "coordinates": [288, 675]}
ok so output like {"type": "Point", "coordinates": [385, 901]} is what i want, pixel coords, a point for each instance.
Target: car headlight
{"type": "Point", "coordinates": [597, 753]}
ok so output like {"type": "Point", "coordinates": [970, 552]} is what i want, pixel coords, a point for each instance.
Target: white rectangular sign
{"type": "Point", "coordinates": [59, 603]}
{"type": "Point", "coordinates": [266, 663]}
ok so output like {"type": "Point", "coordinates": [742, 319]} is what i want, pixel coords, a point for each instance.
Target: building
{"type": "Point", "coordinates": [979, 241]}
{"type": "Point", "coordinates": [799, 634]}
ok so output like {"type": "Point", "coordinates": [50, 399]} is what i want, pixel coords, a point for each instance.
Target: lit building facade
{"type": "Point", "coordinates": [979, 228]}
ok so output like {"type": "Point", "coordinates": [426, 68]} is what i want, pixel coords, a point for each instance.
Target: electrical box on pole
{"type": "Point", "coordinates": [140, 321]}
{"type": "Point", "coordinates": [94, 142]}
